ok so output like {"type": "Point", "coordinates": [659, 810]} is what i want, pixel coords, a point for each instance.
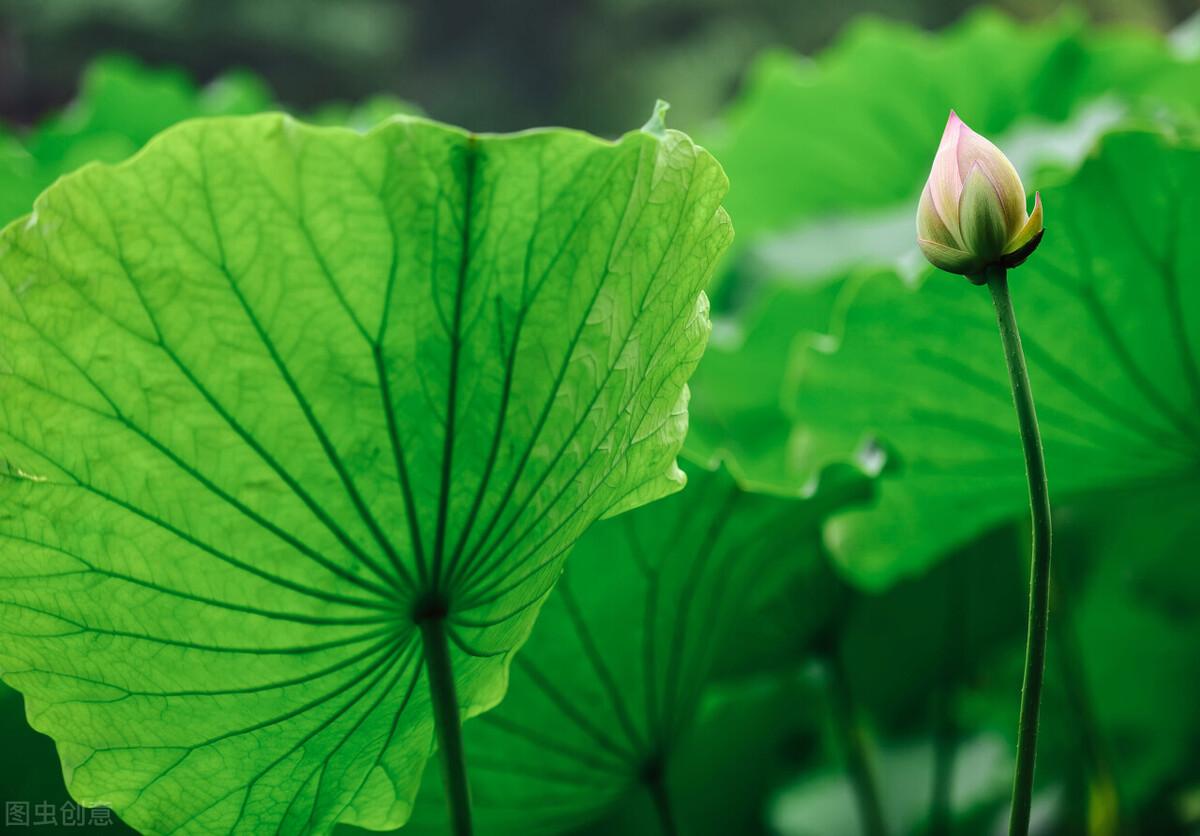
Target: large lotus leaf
{"type": "Point", "coordinates": [272, 393]}
{"type": "Point", "coordinates": [1110, 326]}
{"type": "Point", "coordinates": [855, 129]}
{"type": "Point", "coordinates": [610, 688]}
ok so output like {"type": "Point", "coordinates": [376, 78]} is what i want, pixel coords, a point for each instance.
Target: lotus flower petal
{"type": "Point", "coordinates": [930, 225]}
{"type": "Point", "coordinates": [945, 182]}
{"type": "Point", "coordinates": [981, 216]}
{"type": "Point", "coordinates": [950, 259]}
{"type": "Point", "coordinates": [975, 150]}
{"type": "Point", "coordinates": [1031, 228]}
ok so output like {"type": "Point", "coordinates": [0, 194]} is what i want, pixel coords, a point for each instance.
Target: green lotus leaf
{"type": "Point", "coordinates": [274, 394]}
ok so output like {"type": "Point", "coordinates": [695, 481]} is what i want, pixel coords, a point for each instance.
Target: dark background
{"type": "Point", "coordinates": [487, 65]}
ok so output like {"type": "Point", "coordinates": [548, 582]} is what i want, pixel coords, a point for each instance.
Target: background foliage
{"type": "Point", "coordinates": [855, 515]}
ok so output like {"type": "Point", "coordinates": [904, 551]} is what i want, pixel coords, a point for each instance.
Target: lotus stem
{"type": "Point", "coordinates": [656, 785]}
{"type": "Point", "coordinates": [1039, 577]}
{"type": "Point", "coordinates": [448, 723]}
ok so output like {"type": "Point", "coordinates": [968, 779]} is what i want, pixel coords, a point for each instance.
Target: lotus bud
{"type": "Point", "coordinates": [972, 212]}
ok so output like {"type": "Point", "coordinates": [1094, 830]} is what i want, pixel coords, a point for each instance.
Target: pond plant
{"type": "Point", "coordinates": [972, 220]}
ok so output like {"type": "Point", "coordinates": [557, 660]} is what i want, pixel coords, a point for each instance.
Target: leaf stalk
{"type": "Point", "coordinates": [1039, 578]}
{"type": "Point", "coordinates": [448, 722]}
{"type": "Point", "coordinates": [656, 785]}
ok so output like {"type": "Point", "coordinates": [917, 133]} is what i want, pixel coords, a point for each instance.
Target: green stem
{"type": "Point", "coordinates": [448, 722]}
{"type": "Point", "coordinates": [656, 784]}
{"type": "Point", "coordinates": [854, 745]}
{"type": "Point", "coordinates": [1039, 578]}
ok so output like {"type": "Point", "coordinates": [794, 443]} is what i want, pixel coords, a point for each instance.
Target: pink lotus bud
{"type": "Point", "coordinates": [972, 212]}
